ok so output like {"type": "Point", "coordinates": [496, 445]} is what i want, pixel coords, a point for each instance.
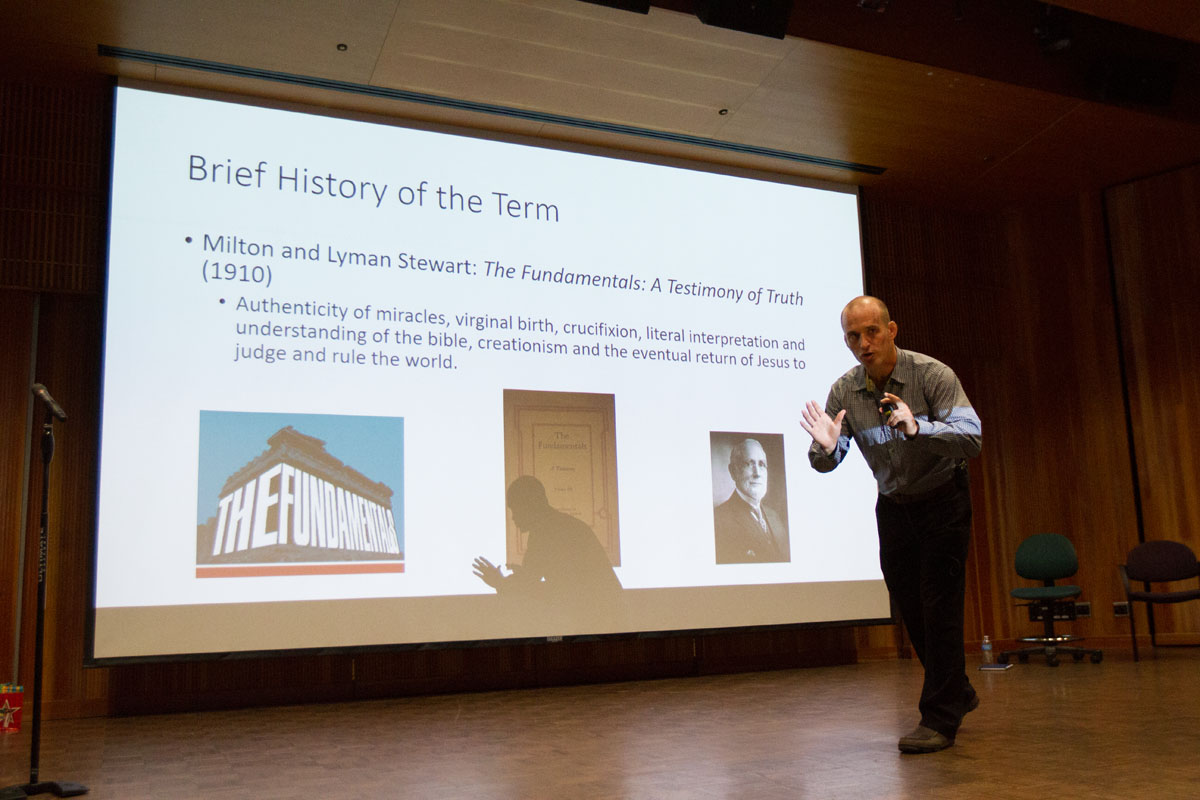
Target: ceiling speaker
{"type": "Point", "coordinates": [1136, 81]}
{"type": "Point", "coordinates": [640, 6]}
{"type": "Point", "coordinates": [761, 17]}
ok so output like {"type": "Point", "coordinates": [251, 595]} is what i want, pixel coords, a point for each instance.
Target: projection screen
{"type": "Point", "coordinates": [337, 350]}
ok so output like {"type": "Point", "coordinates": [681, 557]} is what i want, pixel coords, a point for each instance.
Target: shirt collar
{"type": "Point", "coordinates": [901, 374]}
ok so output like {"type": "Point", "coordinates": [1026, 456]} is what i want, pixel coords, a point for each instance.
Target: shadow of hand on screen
{"type": "Point", "coordinates": [487, 572]}
{"type": "Point", "coordinates": [564, 566]}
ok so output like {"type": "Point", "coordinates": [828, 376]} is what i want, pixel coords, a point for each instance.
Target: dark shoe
{"type": "Point", "coordinates": [924, 740]}
{"type": "Point", "coordinates": [972, 704]}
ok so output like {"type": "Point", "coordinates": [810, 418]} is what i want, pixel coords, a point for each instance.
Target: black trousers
{"type": "Point", "coordinates": [923, 552]}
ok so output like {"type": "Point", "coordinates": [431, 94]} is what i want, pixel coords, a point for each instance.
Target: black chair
{"type": "Point", "coordinates": [1048, 557]}
{"type": "Point", "coordinates": [1157, 562]}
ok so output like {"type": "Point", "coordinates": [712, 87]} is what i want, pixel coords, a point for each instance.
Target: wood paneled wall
{"type": "Point", "coordinates": [53, 190]}
{"type": "Point", "coordinates": [68, 363]}
{"type": "Point", "coordinates": [54, 152]}
{"type": "Point", "coordinates": [16, 330]}
{"type": "Point", "coordinates": [1155, 231]}
{"type": "Point", "coordinates": [1019, 303]}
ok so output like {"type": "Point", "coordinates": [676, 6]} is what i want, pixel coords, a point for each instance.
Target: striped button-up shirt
{"type": "Point", "coordinates": [948, 429]}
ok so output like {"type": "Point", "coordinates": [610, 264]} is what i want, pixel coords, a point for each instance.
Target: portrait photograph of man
{"type": "Point", "coordinates": [749, 498]}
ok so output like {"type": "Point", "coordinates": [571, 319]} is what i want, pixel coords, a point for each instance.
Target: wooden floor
{"type": "Point", "coordinates": [1113, 730]}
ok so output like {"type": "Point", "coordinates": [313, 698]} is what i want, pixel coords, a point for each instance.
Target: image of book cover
{"type": "Point", "coordinates": [299, 494]}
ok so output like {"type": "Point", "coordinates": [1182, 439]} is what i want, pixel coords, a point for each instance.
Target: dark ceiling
{"type": "Point", "coordinates": [986, 102]}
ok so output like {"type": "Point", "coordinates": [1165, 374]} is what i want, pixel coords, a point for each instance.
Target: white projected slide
{"type": "Point", "coordinates": [332, 346]}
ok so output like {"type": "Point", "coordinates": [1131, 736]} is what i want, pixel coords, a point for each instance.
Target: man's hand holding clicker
{"type": "Point", "coordinates": [901, 416]}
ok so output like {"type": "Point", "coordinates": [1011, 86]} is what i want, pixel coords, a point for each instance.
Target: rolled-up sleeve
{"type": "Point", "coordinates": [952, 428]}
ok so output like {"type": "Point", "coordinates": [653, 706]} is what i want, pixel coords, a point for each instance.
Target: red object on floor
{"type": "Point", "coordinates": [10, 711]}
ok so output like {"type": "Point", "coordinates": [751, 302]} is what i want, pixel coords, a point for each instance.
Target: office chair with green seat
{"type": "Point", "coordinates": [1048, 557]}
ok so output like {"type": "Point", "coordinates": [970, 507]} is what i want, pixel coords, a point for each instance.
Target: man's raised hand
{"type": "Point", "coordinates": [823, 428]}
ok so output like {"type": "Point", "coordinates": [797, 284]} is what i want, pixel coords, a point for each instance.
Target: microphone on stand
{"type": "Point", "coordinates": [40, 392]}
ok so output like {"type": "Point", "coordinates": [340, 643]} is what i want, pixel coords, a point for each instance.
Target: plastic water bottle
{"type": "Point", "coordinates": [986, 649]}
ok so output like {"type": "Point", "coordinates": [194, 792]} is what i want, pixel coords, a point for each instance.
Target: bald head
{"type": "Point", "coordinates": [869, 305]}
{"type": "Point", "coordinates": [870, 333]}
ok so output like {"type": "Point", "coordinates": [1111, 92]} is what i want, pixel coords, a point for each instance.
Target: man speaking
{"type": "Point", "coordinates": [912, 422]}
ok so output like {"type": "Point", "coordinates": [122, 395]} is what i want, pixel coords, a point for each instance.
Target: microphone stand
{"type": "Point", "coordinates": [34, 787]}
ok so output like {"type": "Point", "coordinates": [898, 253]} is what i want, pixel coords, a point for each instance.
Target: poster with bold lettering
{"type": "Point", "coordinates": [299, 494]}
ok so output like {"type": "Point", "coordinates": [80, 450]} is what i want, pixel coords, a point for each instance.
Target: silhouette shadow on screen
{"type": "Point", "coordinates": [565, 568]}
